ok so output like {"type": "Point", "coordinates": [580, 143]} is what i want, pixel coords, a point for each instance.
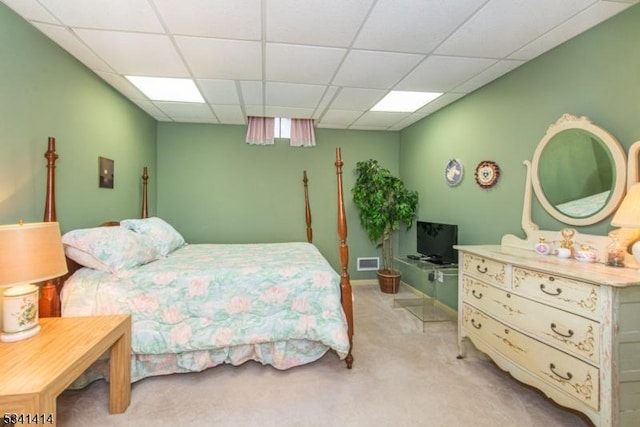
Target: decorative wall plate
{"type": "Point", "coordinates": [487, 173]}
{"type": "Point", "coordinates": [453, 172]}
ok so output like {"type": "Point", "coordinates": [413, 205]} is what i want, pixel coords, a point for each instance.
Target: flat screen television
{"type": "Point", "coordinates": [435, 242]}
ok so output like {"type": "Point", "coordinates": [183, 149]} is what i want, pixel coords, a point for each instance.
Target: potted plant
{"type": "Point", "coordinates": [384, 204]}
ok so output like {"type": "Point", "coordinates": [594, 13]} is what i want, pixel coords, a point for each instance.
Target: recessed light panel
{"type": "Point", "coordinates": [404, 101]}
{"type": "Point", "coordinates": [167, 89]}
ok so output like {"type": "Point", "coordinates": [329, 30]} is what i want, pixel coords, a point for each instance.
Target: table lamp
{"type": "Point", "coordinates": [628, 215]}
{"type": "Point", "coordinates": [29, 254]}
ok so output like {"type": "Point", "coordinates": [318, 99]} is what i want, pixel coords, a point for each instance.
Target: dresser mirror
{"type": "Point", "coordinates": [573, 151]}
{"type": "Point", "coordinates": [578, 171]}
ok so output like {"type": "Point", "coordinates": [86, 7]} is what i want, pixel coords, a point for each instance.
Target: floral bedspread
{"type": "Point", "coordinates": [205, 300]}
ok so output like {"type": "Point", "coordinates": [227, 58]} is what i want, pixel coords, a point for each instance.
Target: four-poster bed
{"type": "Point", "coordinates": [173, 335]}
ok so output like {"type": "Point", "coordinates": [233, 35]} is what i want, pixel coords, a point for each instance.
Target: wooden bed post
{"type": "Point", "coordinates": [49, 304]}
{"type": "Point", "coordinates": [307, 207]}
{"type": "Point", "coordinates": [145, 207]}
{"type": "Point", "coordinates": [345, 283]}
{"type": "Point", "coordinates": [50, 198]}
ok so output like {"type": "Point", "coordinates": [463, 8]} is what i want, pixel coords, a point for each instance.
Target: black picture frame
{"type": "Point", "coordinates": [105, 172]}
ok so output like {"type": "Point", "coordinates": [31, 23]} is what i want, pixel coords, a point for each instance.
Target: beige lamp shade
{"type": "Point", "coordinates": [30, 253]}
{"type": "Point", "coordinates": [628, 214]}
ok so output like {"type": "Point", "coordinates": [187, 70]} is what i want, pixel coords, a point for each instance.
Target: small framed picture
{"type": "Point", "coordinates": [105, 172]}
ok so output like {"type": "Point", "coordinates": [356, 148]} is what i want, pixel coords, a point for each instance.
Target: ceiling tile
{"type": "Point", "coordinates": [496, 70]}
{"type": "Point", "coordinates": [431, 21]}
{"type": "Point", "coordinates": [187, 112]}
{"type": "Point", "coordinates": [339, 117]}
{"type": "Point", "coordinates": [219, 91]}
{"type": "Point", "coordinates": [123, 85]}
{"type": "Point", "coordinates": [439, 102]}
{"type": "Point", "coordinates": [379, 119]}
{"type": "Point", "coordinates": [321, 23]}
{"type": "Point", "coordinates": [378, 70]}
{"type": "Point", "coordinates": [128, 15]}
{"type": "Point", "coordinates": [301, 64]}
{"type": "Point", "coordinates": [298, 113]}
{"type": "Point", "coordinates": [31, 9]}
{"type": "Point", "coordinates": [213, 18]}
{"type": "Point", "coordinates": [229, 114]}
{"type": "Point", "coordinates": [252, 92]}
{"type": "Point", "coordinates": [567, 30]}
{"type": "Point", "coordinates": [443, 73]}
{"type": "Point", "coordinates": [255, 110]}
{"type": "Point", "coordinates": [293, 95]}
{"type": "Point", "coordinates": [135, 53]}
{"type": "Point", "coordinates": [151, 109]}
{"type": "Point", "coordinates": [502, 26]}
{"type": "Point", "coordinates": [408, 121]}
{"type": "Point", "coordinates": [357, 99]}
{"type": "Point", "coordinates": [63, 37]}
{"type": "Point", "coordinates": [222, 59]}
{"type": "Point", "coordinates": [327, 97]}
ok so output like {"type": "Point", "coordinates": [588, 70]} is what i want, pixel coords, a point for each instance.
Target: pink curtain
{"type": "Point", "coordinates": [302, 134]}
{"type": "Point", "coordinates": [260, 130]}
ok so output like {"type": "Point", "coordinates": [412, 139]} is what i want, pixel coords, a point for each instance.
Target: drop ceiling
{"type": "Point", "coordinates": [330, 60]}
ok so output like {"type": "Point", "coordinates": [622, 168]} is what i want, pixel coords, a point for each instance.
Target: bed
{"type": "Point", "coordinates": [195, 306]}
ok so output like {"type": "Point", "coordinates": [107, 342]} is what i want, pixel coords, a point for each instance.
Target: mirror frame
{"type": "Point", "coordinates": [565, 122]}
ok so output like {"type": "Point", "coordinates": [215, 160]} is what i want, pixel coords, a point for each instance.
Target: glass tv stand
{"type": "Point", "coordinates": [428, 291]}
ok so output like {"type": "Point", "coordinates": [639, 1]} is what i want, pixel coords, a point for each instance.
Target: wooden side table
{"type": "Point", "coordinates": [35, 371]}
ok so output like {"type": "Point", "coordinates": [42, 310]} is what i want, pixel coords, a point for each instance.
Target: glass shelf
{"type": "Point", "coordinates": [424, 307]}
{"type": "Point", "coordinates": [428, 291]}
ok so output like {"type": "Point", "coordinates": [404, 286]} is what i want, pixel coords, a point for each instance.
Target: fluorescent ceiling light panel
{"type": "Point", "coordinates": [167, 89]}
{"type": "Point", "coordinates": [404, 101]}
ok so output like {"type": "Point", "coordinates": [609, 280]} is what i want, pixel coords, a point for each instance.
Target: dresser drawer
{"type": "Point", "coordinates": [558, 328]}
{"type": "Point", "coordinates": [572, 295]}
{"type": "Point", "coordinates": [485, 269]}
{"type": "Point", "coordinates": [575, 377]}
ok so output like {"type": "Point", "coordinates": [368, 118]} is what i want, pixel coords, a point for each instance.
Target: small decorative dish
{"type": "Point", "coordinates": [487, 173]}
{"type": "Point", "coordinates": [453, 172]}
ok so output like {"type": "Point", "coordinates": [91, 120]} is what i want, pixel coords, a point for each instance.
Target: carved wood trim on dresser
{"type": "Point", "coordinates": [568, 328]}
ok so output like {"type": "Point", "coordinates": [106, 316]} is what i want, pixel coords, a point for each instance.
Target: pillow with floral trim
{"type": "Point", "coordinates": [164, 238]}
{"type": "Point", "coordinates": [109, 249]}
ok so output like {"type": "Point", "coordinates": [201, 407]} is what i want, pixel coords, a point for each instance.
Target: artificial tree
{"type": "Point", "coordinates": [384, 204]}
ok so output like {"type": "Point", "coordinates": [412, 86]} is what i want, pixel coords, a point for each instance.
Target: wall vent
{"type": "Point", "coordinates": [368, 263]}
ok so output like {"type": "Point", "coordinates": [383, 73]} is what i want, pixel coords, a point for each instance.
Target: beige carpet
{"type": "Point", "coordinates": [402, 376]}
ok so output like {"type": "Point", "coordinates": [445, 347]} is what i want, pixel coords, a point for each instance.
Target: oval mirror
{"type": "Point", "coordinates": [578, 171]}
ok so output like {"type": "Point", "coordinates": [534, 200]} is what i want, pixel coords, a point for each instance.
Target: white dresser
{"type": "Point", "coordinates": [568, 328]}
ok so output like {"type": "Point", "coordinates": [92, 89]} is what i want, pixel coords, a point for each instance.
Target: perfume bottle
{"type": "Point", "coordinates": [542, 247]}
{"type": "Point", "coordinates": [615, 251]}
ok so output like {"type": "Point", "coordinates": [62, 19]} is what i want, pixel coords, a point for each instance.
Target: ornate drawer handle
{"type": "Point", "coordinates": [557, 292]}
{"type": "Point", "coordinates": [477, 295]}
{"type": "Point", "coordinates": [477, 326]}
{"type": "Point", "coordinates": [569, 333]}
{"type": "Point", "coordinates": [568, 377]}
{"type": "Point", "coordinates": [481, 270]}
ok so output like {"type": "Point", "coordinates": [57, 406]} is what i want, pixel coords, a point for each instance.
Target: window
{"type": "Point", "coordinates": [282, 127]}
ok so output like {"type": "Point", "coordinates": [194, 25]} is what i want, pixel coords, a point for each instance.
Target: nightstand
{"type": "Point", "coordinates": [36, 370]}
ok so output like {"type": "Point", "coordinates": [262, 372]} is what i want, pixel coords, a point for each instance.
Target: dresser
{"type": "Point", "coordinates": [568, 328]}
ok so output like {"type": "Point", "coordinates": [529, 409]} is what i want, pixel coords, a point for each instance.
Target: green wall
{"type": "Point", "coordinates": [46, 92]}
{"type": "Point", "coordinates": [216, 188]}
{"type": "Point", "coordinates": [595, 74]}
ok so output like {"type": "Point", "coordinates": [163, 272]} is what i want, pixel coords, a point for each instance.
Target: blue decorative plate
{"type": "Point", "coordinates": [453, 172]}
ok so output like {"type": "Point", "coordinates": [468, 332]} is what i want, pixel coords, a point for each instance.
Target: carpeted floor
{"type": "Point", "coordinates": [402, 376]}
